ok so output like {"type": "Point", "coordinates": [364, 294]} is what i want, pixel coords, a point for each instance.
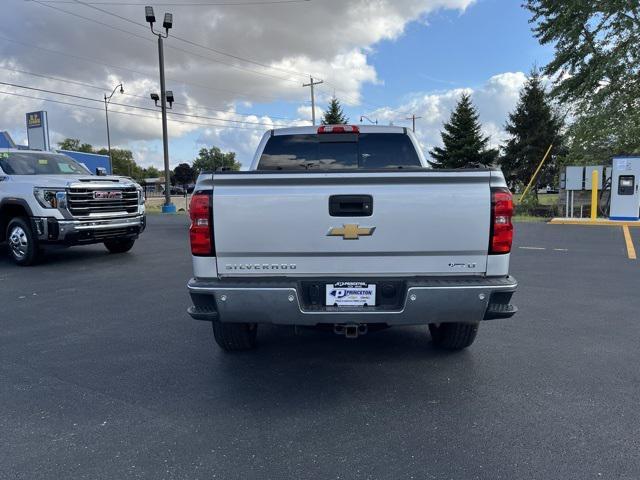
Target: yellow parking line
{"type": "Point", "coordinates": [631, 251]}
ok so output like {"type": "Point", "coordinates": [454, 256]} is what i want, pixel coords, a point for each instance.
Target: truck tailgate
{"type": "Point", "coordinates": [420, 223]}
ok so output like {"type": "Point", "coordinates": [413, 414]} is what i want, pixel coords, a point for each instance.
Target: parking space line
{"type": "Point", "coordinates": [532, 248]}
{"type": "Point", "coordinates": [631, 251]}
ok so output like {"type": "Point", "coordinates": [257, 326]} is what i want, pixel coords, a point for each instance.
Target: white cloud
{"type": "Point", "coordinates": [494, 100]}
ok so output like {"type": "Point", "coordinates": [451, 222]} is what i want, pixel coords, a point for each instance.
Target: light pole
{"type": "Point", "coordinates": [364, 117]}
{"type": "Point", "coordinates": [168, 207]}
{"type": "Point", "coordinates": [106, 114]}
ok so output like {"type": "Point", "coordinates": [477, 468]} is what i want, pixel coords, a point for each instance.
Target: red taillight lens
{"type": "Point", "coordinates": [200, 232]}
{"type": "Point", "coordinates": [501, 226]}
{"type": "Point", "coordinates": [338, 129]}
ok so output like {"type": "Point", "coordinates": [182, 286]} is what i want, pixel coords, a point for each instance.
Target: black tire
{"type": "Point", "coordinates": [235, 337]}
{"type": "Point", "coordinates": [23, 245]}
{"type": "Point", "coordinates": [453, 336]}
{"type": "Point", "coordinates": [119, 245]}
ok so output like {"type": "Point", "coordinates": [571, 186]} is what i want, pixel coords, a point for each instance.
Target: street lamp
{"type": "Point", "coordinates": [368, 119]}
{"type": "Point", "coordinates": [106, 114]}
{"type": "Point", "coordinates": [168, 207]}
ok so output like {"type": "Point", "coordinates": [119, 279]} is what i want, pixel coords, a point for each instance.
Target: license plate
{"type": "Point", "coordinates": [350, 294]}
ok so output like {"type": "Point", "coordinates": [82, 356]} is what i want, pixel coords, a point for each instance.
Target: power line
{"type": "Point", "coordinates": [180, 114]}
{"type": "Point", "coordinates": [95, 87]}
{"type": "Point", "coordinates": [126, 69]}
{"type": "Point", "coordinates": [126, 113]}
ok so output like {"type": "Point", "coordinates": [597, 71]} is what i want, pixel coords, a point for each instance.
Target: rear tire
{"type": "Point", "coordinates": [235, 337]}
{"type": "Point", "coordinates": [119, 245]}
{"type": "Point", "coordinates": [23, 245]}
{"type": "Point", "coordinates": [453, 336]}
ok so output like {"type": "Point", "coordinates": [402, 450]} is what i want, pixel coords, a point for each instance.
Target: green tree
{"type": "Point", "coordinates": [334, 114]}
{"type": "Point", "coordinates": [184, 174]}
{"type": "Point", "coordinates": [464, 144]}
{"type": "Point", "coordinates": [532, 127]}
{"type": "Point", "coordinates": [597, 47]}
{"type": "Point", "coordinates": [74, 145]}
{"type": "Point", "coordinates": [213, 158]}
{"type": "Point", "coordinates": [123, 163]}
{"type": "Point", "coordinates": [151, 172]}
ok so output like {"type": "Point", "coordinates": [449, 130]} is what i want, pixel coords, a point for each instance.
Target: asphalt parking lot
{"type": "Point", "coordinates": [103, 375]}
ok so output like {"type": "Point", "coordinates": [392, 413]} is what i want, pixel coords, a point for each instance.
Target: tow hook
{"type": "Point", "coordinates": [350, 330]}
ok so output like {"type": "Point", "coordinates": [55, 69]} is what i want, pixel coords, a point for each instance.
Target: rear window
{"type": "Point", "coordinates": [339, 151]}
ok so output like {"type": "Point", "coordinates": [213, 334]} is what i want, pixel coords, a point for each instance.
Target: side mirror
{"type": "Point", "coordinates": [101, 171]}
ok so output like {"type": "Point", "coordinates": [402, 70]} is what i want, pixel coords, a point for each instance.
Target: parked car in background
{"type": "Point", "coordinates": [49, 199]}
{"type": "Point", "coordinates": [347, 227]}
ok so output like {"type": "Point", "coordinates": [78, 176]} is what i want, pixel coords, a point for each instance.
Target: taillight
{"type": "Point", "coordinates": [200, 231]}
{"type": "Point", "coordinates": [501, 226]}
{"type": "Point", "coordinates": [338, 129]}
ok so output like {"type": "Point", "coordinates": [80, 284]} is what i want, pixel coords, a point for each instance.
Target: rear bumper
{"type": "Point", "coordinates": [425, 300]}
{"type": "Point", "coordinates": [82, 232]}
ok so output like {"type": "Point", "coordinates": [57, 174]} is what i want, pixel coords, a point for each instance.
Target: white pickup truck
{"type": "Point", "coordinates": [48, 199]}
{"type": "Point", "coordinates": [347, 227]}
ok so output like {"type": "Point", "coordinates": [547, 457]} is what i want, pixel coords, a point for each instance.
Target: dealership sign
{"type": "Point", "coordinates": [38, 130]}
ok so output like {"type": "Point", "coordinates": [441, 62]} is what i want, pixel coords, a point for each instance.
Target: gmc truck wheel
{"type": "Point", "coordinates": [23, 246]}
{"type": "Point", "coordinates": [120, 245]}
{"type": "Point", "coordinates": [235, 337]}
{"type": "Point", "coordinates": [453, 336]}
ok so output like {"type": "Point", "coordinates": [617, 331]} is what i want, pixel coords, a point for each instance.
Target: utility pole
{"type": "Point", "coordinates": [313, 99]}
{"type": "Point", "coordinates": [168, 207]}
{"type": "Point", "coordinates": [413, 119]}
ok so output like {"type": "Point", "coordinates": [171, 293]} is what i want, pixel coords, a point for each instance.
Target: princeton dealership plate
{"type": "Point", "coordinates": [350, 294]}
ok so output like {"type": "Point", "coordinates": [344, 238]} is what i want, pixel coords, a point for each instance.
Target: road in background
{"type": "Point", "coordinates": [103, 375]}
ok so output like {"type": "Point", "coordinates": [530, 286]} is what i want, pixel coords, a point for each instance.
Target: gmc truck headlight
{"type": "Point", "coordinates": [140, 196]}
{"type": "Point", "coordinates": [50, 197]}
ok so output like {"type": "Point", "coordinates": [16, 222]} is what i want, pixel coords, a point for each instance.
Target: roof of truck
{"type": "Point", "coordinates": [309, 130]}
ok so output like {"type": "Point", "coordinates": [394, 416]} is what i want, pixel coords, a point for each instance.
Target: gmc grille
{"type": "Point", "coordinates": [81, 201]}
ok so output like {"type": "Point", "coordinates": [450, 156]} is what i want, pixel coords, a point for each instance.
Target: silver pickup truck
{"type": "Point", "coordinates": [347, 227]}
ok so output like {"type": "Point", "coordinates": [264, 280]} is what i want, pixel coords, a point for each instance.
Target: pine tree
{"type": "Point", "coordinates": [532, 127]}
{"type": "Point", "coordinates": [334, 114]}
{"type": "Point", "coordinates": [464, 145]}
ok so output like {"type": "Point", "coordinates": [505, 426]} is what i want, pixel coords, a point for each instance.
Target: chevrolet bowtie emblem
{"type": "Point", "coordinates": [351, 231]}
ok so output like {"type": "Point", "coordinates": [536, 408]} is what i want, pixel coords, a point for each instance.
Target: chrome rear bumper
{"type": "Point", "coordinates": [426, 300]}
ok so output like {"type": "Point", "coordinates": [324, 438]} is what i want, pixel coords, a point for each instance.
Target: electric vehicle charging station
{"type": "Point", "coordinates": [625, 197]}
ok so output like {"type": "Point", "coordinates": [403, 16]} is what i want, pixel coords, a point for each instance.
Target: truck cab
{"type": "Point", "coordinates": [49, 199]}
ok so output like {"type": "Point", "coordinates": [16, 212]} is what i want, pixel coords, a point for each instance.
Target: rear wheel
{"type": "Point", "coordinates": [235, 337]}
{"type": "Point", "coordinates": [23, 245]}
{"type": "Point", "coordinates": [453, 336]}
{"type": "Point", "coordinates": [119, 245]}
